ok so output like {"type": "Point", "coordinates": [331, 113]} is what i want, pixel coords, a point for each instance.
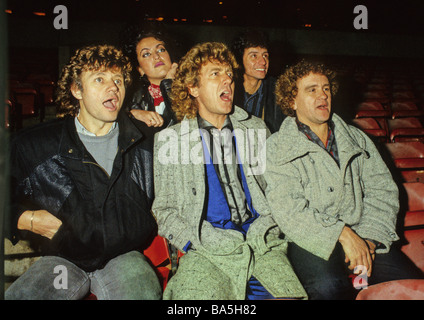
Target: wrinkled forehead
{"type": "Point", "coordinates": [312, 78]}
{"type": "Point", "coordinates": [214, 63]}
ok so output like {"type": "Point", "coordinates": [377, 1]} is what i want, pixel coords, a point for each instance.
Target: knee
{"type": "Point", "coordinates": [330, 289]}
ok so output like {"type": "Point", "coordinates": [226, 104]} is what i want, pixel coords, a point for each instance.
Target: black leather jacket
{"type": "Point", "coordinates": [102, 216]}
{"type": "Point", "coordinates": [140, 98]}
{"type": "Point", "coordinates": [273, 115]}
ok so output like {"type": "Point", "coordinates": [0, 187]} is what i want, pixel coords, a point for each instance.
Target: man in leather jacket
{"type": "Point", "coordinates": [83, 184]}
{"type": "Point", "coordinates": [254, 90]}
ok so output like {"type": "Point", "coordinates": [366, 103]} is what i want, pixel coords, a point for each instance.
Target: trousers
{"type": "Point", "coordinates": [125, 277]}
{"type": "Point", "coordinates": [329, 280]}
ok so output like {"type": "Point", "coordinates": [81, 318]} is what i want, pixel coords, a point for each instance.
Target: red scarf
{"type": "Point", "coordinates": [155, 92]}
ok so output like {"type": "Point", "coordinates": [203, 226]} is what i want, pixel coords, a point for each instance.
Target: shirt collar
{"type": "Point", "coordinates": [204, 124]}
{"type": "Point", "coordinates": [81, 129]}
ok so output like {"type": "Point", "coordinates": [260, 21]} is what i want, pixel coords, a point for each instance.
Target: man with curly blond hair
{"type": "Point", "coordinates": [82, 186]}
{"type": "Point", "coordinates": [209, 200]}
{"type": "Point", "coordinates": [330, 192]}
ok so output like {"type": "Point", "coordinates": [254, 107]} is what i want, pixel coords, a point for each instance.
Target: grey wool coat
{"type": "Point", "coordinates": [312, 199]}
{"type": "Point", "coordinates": [220, 261]}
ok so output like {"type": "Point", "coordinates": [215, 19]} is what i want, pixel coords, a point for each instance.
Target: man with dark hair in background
{"type": "Point", "coordinates": [254, 90]}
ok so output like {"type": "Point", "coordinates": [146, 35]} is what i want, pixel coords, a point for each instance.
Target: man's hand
{"type": "Point", "coordinates": [358, 253]}
{"type": "Point", "coordinates": [41, 222]}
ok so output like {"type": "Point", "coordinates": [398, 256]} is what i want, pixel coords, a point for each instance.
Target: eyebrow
{"type": "Point", "coordinates": [159, 44]}
{"type": "Point", "coordinates": [316, 85]}
{"type": "Point", "coordinates": [256, 51]}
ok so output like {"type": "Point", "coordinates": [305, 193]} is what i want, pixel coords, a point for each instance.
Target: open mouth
{"type": "Point", "coordinates": [110, 104]}
{"type": "Point", "coordinates": [226, 96]}
{"type": "Point", "coordinates": [323, 106]}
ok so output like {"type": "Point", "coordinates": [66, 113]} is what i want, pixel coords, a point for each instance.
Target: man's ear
{"type": "Point", "coordinates": [194, 91]}
{"type": "Point", "coordinates": [293, 105]}
{"type": "Point", "coordinates": [76, 91]}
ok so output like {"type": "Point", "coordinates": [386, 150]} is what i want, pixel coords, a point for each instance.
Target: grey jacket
{"type": "Point", "coordinates": [312, 199]}
{"type": "Point", "coordinates": [179, 207]}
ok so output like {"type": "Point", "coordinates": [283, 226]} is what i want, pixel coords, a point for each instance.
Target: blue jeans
{"type": "Point", "coordinates": [126, 277]}
{"type": "Point", "coordinates": [329, 280]}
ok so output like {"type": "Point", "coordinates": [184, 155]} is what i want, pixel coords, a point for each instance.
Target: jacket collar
{"type": "Point", "coordinates": [237, 116]}
{"type": "Point", "coordinates": [71, 145]}
{"type": "Point", "coordinates": [297, 144]}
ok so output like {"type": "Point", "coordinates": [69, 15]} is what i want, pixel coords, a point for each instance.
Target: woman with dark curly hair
{"type": "Point", "coordinates": [148, 100]}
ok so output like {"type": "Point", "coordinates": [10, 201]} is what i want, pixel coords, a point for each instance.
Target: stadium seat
{"type": "Point", "coordinates": [405, 109]}
{"type": "Point", "coordinates": [376, 95]}
{"type": "Point", "coordinates": [403, 96]}
{"type": "Point", "coordinates": [413, 175]}
{"type": "Point", "coordinates": [27, 97]}
{"type": "Point", "coordinates": [394, 290]}
{"type": "Point", "coordinates": [160, 258]}
{"type": "Point", "coordinates": [414, 249]}
{"type": "Point", "coordinates": [414, 216]}
{"type": "Point", "coordinates": [405, 129]}
{"type": "Point", "coordinates": [407, 155]}
{"type": "Point", "coordinates": [371, 109]}
{"type": "Point", "coordinates": [372, 127]}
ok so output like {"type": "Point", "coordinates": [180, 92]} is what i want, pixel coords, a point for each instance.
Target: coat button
{"type": "Point", "coordinates": [330, 189]}
{"type": "Point", "coordinates": [70, 150]}
{"type": "Point", "coordinates": [170, 237]}
{"type": "Point", "coordinates": [194, 191]}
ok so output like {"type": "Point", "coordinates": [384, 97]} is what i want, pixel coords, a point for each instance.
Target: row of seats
{"type": "Point", "coordinates": [28, 99]}
{"type": "Point", "coordinates": [392, 112]}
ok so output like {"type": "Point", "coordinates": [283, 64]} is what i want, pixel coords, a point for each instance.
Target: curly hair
{"type": "Point", "coordinates": [188, 75]}
{"type": "Point", "coordinates": [89, 58]}
{"type": "Point", "coordinates": [286, 85]}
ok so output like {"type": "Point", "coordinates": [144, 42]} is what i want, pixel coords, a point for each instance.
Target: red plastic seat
{"type": "Point", "coordinates": [415, 247]}
{"type": "Point", "coordinates": [371, 109]}
{"type": "Point", "coordinates": [405, 129]}
{"type": "Point", "coordinates": [415, 192]}
{"type": "Point", "coordinates": [376, 95]}
{"type": "Point", "coordinates": [407, 155]}
{"type": "Point", "coordinates": [413, 175]}
{"type": "Point", "coordinates": [27, 97]}
{"type": "Point", "coordinates": [414, 216]}
{"type": "Point", "coordinates": [394, 290]}
{"type": "Point", "coordinates": [371, 127]}
{"type": "Point", "coordinates": [403, 95]}
{"type": "Point", "coordinates": [405, 109]}
{"type": "Point", "coordinates": [160, 257]}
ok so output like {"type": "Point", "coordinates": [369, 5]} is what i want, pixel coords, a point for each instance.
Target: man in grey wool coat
{"type": "Point", "coordinates": [330, 191]}
{"type": "Point", "coordinates": [209, 198]}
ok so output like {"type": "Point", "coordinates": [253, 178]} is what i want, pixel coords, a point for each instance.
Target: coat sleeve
{"type": "Point", "coordinates": [165, 208]}
{"type": "Point", "coordinates": [301, 223]}
{"type": "Point", "coordinates": [380, 199]}
{"type": "Point", "coordinates": [20, 192]}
